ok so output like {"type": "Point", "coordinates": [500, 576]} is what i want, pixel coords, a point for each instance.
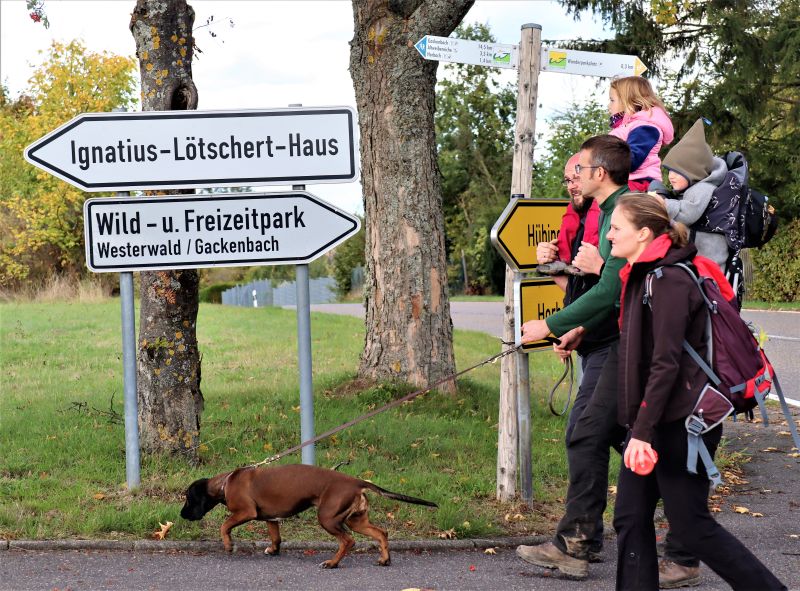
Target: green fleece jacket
{"type": "Point", "coordinates": [591, 308]}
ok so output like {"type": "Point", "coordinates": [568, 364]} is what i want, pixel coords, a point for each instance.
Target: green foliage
{"type": "Point", "coordinates": [346, 257]}
{"type": "Point", "coordinates": [568, 130]}
{"type": "Point", "coordinates": [738, 67]}
{"type": "Point", "coordinates": [212, 294]}
{"type": "Point", "coordinates": [474, 119]}
{"type": "Point", "coordinates": [41, 217]}
{"type": "Point", "coordinates": [776, 267]}
{"type": "Point", "coordinates": [62, 470]}
{"type": "Point", "coordinates": [277, 274]}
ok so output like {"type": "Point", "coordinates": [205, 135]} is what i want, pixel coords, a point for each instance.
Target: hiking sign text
{"type": "Point", "coordinates": [523, 224]}
{"type": "Point", "coordinates": [535, 299]}
{"type": "Point", "coordinates": [194, 149]}
{"type": "Point", "coordinates": [137, 234]}
{"type": "Point", "coordinates": [590, 63]}
{"type": "Point", "coordinates": [465, 51]}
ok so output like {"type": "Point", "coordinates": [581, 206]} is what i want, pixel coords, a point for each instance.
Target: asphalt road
{"type": "Point", "coordinates": [783, 328]}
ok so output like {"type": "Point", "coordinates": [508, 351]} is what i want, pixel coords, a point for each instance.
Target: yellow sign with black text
{"type": "Point", "coordinates": [523, 224]}
{"type": "Point", "coordinates": [535, 299]}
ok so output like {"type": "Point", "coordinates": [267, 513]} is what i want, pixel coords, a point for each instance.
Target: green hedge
{"type": "Point", "coordinates": [213, 293]}
{"type": "Point", "coordinates": [776, 267]}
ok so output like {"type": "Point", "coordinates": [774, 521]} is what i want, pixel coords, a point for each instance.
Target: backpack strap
{"type": "Point", "coordinates": [785, 408]}
{"type": "Point", "coordinates": [695, 427]}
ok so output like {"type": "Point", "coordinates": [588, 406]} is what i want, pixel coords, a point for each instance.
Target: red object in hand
{"type": "Point", "coordinates": [644, 467]}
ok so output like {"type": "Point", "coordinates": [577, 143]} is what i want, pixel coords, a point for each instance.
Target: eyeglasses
{"type": "Point", "coordinates": [579, 168]}
{"type": "Point", "coordinates": [566, 182]}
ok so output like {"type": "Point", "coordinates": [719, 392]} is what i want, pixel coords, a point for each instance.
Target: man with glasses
{"type": "Point", "coordinates": [602, 171]}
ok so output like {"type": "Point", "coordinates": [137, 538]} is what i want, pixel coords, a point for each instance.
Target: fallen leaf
{"type": "Point", "coordinates": [390, 515]}
{"type": "Point", "coordinates": [162, 533]}
{"type": "Point", "coordinates": [450, 534]}
{"type": "Point", "coordinates": [99, 497]}
{"type": "Point", "coordinates": [794, 455]}
{"type": "Point", "coordinates": [716, 510]}
{"type": "Point", "coordinates": [794, 536]}
{"type": "Point", "coordinates": [757, 514]}
{"type": "Point", "coordinates": [612, 490]}
{"type": "Point", "coordinates": [784, 433]}
{"type": "Point", "coordinates": [739, 509]}
{"type": "Point", "coordinates": [490, 551]}
{"type": "Point", "coordinates": [770, 449]}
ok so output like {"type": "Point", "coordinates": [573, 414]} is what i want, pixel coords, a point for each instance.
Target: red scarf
{"type": "Point", "coordinates": [656, 250]}
{"type": "Point", "coordinates": [570, 223]}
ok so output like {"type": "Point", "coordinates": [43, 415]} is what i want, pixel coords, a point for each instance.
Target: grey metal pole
{"type": "Point", "coordinates": [129, 380]}
{"type": "Point", "coordinates": [304, 354]}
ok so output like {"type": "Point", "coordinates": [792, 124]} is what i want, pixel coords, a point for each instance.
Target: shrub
{"type": "Point", "coordinates": [213, 293]}
{"type": "Point", "coordinates": [346, 257]}
{"type": "Point", "coordinates": [776, 267]}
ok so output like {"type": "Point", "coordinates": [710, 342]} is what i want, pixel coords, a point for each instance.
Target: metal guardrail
{"type": "Point", "coordinates": [258, 294]}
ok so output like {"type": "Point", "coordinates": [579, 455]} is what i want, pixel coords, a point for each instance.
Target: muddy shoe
{"type": "Point", "coordinates": [548, 556]}
{"type": "Point", "coordinates": [672, 575]}
{"type": "Point", "coordinates": [554, 268]}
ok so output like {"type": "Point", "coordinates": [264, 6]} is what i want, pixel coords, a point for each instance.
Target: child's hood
{"type": "Point", "coordinates": [656, 117]}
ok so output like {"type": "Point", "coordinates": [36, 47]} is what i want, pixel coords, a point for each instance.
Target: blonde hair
{"type": "Point", "coordinates": [636, 94]}
{"type": "Point", "coordinates": [644, 210]}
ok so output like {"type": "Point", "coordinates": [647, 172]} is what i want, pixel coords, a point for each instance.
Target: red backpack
{"type": "Point", "coordinates": [737, 365]}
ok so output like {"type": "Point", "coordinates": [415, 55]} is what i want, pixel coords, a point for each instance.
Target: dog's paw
{"type": "Point", "coordinates": [386, 562]}
{"type": "Point", "coordinates": [272, 551]}
{"type": "Point", "coordinates": [329, 564]}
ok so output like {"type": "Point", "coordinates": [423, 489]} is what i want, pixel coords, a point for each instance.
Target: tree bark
{"type": "Point", "coordinates": [409, 330]}
{"type": "Point", "coordinates": [169, 396]}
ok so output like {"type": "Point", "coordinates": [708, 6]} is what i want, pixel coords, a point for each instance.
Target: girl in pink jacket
{"type": "Point", "coordinates": [638, 117]}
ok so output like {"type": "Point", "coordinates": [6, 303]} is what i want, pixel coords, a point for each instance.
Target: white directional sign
{"type": "Point", "coordinates": [588, 63]}
{"type": "Point", "coordinates": [138, 234]}
{"type": "Point", "coordinates": [464, 51]}
{"type": "Point", "coordinates": [193, 149]}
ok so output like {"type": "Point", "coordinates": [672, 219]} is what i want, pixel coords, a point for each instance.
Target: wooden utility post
{"type": "Point", "coordinates": [514, 417]}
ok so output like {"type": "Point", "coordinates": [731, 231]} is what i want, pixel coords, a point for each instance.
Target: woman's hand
{"type": "Point", "coordinates": [639, 453]}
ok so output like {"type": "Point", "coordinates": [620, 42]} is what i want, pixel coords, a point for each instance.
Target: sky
{"type": "Point", "coordinates": [277, 52]}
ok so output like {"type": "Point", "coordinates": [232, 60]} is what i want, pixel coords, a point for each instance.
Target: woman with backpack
{"type": "Point", "coordinates": [659, 386]}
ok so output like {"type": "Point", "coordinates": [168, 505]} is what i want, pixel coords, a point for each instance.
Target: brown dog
{"type": "Point", "coordinates": [267, 494]}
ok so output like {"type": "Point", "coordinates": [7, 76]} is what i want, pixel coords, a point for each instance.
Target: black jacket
{"type": "Point", "coordinates": [658, 381]}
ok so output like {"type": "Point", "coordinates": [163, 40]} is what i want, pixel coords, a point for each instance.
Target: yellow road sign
{"type": "Point", "coordinates": [535, 299]}
{"type": "Point", "coordinates": [523, 224]}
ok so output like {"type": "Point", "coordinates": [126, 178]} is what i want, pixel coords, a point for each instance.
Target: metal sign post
{"type": "Point", "coordinates": [132, 471]}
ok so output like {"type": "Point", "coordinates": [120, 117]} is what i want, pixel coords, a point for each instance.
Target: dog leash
{"type": "Point", "coordinates": [568, 369]}
{"type": "Point", "coordinates": [385, 407]}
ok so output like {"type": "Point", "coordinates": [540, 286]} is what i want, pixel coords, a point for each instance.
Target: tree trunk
{"type": "Point", "coordinates": [170, 401]}
{"type": "Point", "coordinates": [409, 330]}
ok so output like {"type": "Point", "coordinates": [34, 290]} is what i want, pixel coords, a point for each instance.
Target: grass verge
{"type": "Point", "coordinates": [62, 470]}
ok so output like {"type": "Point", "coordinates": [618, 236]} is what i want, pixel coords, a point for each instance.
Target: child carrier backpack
{"type": "Point", "coordinates": [742, 214]}
{"type": "Point", "coordinates": [736, 364]}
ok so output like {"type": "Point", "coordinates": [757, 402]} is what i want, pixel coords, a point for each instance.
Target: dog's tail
{"type": "Point", "coordinates": [397, 496]}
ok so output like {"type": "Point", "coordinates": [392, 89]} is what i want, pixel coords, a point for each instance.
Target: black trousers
{"type": "Point", "coordinates": [592, 364]}
{"type": "Point", "coordinates": [592, 431]}
{"type": "Point", "coordinates": [685, 498]}
{"type": "Point", "coordinates": [593, 435]}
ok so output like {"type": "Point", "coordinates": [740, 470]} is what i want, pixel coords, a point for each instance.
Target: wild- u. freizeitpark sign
{"type": "Point", "coordinates": [146, 233]}
{"type": "Point", "coordinates": [195, 149]}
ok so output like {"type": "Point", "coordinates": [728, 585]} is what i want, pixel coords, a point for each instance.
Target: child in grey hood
{"type": "Point", "coordinates": [694, 173]}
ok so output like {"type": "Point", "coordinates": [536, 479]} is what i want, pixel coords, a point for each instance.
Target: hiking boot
{"type": "Point", "coordinates": [596, 556]}
{"type": "Point", "coordinates": [548, 556]}
{"type": "Point", "coordinates": [672, 575]}
{"type": "Point", "coordinates": [554, 268]}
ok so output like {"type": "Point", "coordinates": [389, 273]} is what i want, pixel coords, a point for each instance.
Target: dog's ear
{"type": "Point", "coordinates": [198, 501]}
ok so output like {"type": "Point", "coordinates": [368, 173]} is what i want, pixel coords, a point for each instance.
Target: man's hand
{"type": "Point", "coordinates": [569, 342]}
{"type": "Point", "coordinates": [588, 259]}
{"type": "Point", "coordinates": [546, 252]}
{"type": "Point", "coordinates": [534, 330]}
